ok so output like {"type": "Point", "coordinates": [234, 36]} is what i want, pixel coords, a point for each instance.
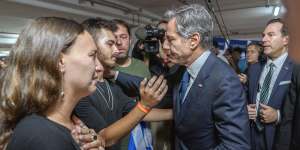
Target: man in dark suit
{"type": "Point", "coordinates": [288, 132]}
{"type": "Point", "coordinates": [268, 85]}
{"type": "Point", "coordinates": [211, 112]}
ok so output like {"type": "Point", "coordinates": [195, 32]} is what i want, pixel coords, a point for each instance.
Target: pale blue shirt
{"type": "Point", "coordinates": [195, 68]}
{"type": "Point", "coordinates": [278, 63]}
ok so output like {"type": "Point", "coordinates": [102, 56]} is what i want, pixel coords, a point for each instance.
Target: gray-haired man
{"type": "Point", "coordinates": [209, 102]}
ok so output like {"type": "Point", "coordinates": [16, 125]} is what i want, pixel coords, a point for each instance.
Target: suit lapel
{"type": "Point", "coordinates": [196, 87]}
{"type": "Point", "coordinates": [176, 101]}
{"type": "Point", "coordinates": [286, 68]}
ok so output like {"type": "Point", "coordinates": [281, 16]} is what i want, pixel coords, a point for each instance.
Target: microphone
{"type": "Point", "coordinates": [141, 33]}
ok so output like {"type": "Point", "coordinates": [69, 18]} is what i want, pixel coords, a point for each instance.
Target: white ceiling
{"type": "Point", "coordinates": [244, 19]}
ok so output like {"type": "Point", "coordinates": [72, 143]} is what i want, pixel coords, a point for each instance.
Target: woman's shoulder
{"type": "Point", "coordinates": [38, 131]}
{"type": "Point", "coordinates": [33, 127]}
{"type": "Point", "coordinates": [32, 123]}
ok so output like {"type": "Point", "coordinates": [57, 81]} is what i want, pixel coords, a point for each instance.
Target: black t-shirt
{"type": "Point", "coordinates": [98, 111]}
{"type": "Point", "coordinates": [36, 132]}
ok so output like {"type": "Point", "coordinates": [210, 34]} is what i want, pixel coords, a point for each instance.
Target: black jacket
{"type": "Point", "coordinates": [288, 133]}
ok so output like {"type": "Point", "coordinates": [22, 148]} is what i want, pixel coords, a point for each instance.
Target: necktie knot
{"type": "Point", "coordinates": [186, 77]}
{"type": "Point", "coordinates": [271, 65]}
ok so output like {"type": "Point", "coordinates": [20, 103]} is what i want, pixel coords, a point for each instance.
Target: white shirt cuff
{"type": "Point", "coordinates": [278, 117]}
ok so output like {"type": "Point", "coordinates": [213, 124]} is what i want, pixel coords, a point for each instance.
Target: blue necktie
{"type": "Point", "coordinates": [264, 93]}
{"type": "Point", "coordinates": [184, 85]}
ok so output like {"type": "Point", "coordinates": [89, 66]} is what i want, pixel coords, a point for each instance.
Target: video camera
{"type": "Point", "coordinates": [150, 37]}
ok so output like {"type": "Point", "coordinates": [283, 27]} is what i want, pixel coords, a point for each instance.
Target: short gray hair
{"type": "Point", "coordinates": [193, 18]}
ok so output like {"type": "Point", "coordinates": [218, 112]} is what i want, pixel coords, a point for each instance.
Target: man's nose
{"type": "Point", "coordinates": [99, 66]}
{"type": "Point", "coordinates": [118, 42]}
{"type": "Point", "coordinates": [265, 38]}
{"type": "Point", "coordinates": [115, 49]}
{"type": "Point", "coordinates": [166, 44]}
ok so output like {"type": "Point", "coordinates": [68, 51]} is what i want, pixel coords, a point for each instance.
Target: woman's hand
{"type": "Point", "coordinates": [87, 138]}
{"type": "Point", "coordinates": [153, 91]}
{"type": "Point", "coordinates": [243, 78]}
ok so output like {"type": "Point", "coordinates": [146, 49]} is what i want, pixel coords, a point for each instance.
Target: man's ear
{"type": "Point", "coordinates": [195, 39]}
{"type": "Point", "coordinates": [61, 64]}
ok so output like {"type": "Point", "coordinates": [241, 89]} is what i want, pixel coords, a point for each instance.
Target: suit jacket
{"type": "Point", "coordinates": [277, 95]}
{"type": "Point", "coordinates": [213, 115]}
{"type": "Point", "coordinates": [288, 132]}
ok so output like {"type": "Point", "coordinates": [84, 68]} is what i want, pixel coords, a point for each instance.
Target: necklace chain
{"type": "Point", "coordinates": [110, 102]}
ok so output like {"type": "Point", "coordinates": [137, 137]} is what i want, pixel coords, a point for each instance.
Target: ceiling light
{"type": "Point", "coordinates": [276, 10]}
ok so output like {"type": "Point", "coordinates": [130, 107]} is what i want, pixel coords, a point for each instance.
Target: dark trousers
{"type": "Point", "coordinates": [258, 138]}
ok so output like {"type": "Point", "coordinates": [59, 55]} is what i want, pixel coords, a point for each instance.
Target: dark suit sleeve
{"type": "Point", "coordinates": [130, 84]}
{"type": "Point", "coordinates": [284, 131]}
{"type": "Point", "coordinates": [126, 103]}
{"type": "Point", "coordinates": [230, 115]}
{"type": "Point", "coordinates": [87, 113]}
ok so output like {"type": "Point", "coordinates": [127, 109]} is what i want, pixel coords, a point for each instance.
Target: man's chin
{"type": "Point", "coordinates": [91, 89]}
{"type": "Point", "coordinates": [122, 56]}
{"type": "Point", "coordinates": [267, 52]}
{"type": "Point", "coordinates": [112, 65]}
{"type": "Point", "coordinates": [109, 66]}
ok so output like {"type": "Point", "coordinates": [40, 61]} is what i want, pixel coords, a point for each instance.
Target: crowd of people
{"type": "Point", "coordinates": [69, 86]}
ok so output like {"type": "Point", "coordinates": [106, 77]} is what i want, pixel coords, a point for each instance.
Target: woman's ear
{"type": "Point", "coordinates": [61, 64]}
{"type": "Point", "coordinates": [195, 39]}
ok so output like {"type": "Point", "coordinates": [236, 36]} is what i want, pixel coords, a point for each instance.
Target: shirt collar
{"type": "Point", "coordinates": [278, 62]}
{"type": "Point", "coordinates": [195, 67]}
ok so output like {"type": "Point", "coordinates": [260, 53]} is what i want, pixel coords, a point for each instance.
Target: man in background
{"type": "Point", "coordinates": [268, 85]}
{"type": "Point", "coordinates": [125, 63]}
{"type": "Point", "coordinates": [141, 133]}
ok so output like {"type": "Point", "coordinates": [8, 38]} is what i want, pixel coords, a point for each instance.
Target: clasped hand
{"type": "Point", "coordinates": [87, 138]}
{"type": "Point", "coordinates": [267, 114]}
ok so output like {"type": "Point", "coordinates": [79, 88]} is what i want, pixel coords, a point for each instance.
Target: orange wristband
{"type": "Point", "coordinates": [143, 108]}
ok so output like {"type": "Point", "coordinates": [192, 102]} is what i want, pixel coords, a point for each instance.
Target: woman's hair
{"type": "Point", "coordinates": [32, 81]}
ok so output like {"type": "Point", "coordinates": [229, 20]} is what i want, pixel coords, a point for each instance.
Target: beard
{"type": "Point", "coordinates": [108, 72]}
{"type": "Point", "coordinates": [122, 55]}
